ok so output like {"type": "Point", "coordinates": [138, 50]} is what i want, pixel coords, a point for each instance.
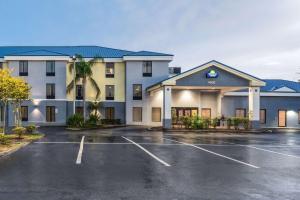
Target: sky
{"type": "Point", "coordinates": [260, 37]}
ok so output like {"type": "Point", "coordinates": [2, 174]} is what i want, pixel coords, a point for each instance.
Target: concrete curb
{"type": "Point", "coordinates": [10, 151]}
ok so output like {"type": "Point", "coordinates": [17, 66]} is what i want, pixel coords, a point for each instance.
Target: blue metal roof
{"type": "Point", "coordinates": [147, 53]}
{"type": "Point", "coordinates": [85, 51]}
{"type": "Point", "coordinates": [274, 84]}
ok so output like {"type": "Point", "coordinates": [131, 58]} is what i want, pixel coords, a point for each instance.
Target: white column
{"type": "Point", "coordinates": [219, 104]}
{"type": "Point", "coordinates": [254, 106]}
{"type": "Point", "coordinates": [167, 102]}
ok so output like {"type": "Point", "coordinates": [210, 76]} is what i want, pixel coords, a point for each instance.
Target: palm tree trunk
{"type": "Point", "coordinates": [84, 95]}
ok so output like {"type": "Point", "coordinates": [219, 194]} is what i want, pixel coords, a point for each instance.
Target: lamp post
{"type": "Point", "coordinates": [74, 83]}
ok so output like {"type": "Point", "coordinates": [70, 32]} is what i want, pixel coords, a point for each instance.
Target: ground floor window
{"type": "Point", "coordinates": [24, 113]}
{"type": "Point", "coordinates": [79, 110]}
{"type": "Point", "coordinates": [1, 113]}
{"type": "Point", "coordinates": [282, 118]}
{"type": "Point", "coordinates": [137, 114]}
{"type": "Point", "coordinates": [50, 113]}
{"type": "Point", "coordinates": [262, 116]}
{"type": "Point", "coordinates": [206, 113]}
{"type": "Point", "coordinates": [240, 112]}
{"type": "Point", "coordinates": [156, 114]}
{"type": "Point", "coordinates": [109, 113]}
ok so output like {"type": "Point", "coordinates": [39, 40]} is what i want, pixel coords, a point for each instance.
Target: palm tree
{"type": "Point", "coordinates": [84, 71]}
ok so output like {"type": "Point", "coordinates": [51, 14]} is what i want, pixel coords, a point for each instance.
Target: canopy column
{"type": "Point", "coordinates": [167, 102]}
{"type": "Point", "coordinates": [254, 107]}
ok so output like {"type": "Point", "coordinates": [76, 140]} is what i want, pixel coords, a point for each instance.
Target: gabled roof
{"type": "Point", "coordinates": [172, 80]}
{"type": "Point", "coordinates": [85, 51]}
{"type": "Point", "coordinates": [274, 84]}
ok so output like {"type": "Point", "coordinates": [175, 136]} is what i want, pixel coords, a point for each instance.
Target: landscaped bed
{"type": "Point", "coordinates": [12, 142]}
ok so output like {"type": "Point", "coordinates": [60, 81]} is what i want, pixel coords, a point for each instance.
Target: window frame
{"type": "Point", "coordinates": [146, 67]}
{"type": "Point", "coordinates": [52, 114]}
{"type": "Point", "coordinates": [50, 73]}
{"type": "Point", "coordinates": [265, 116]}
{"type": "Point", "coordinates": [77, 91]}
{"type": "Point", "coordinates": [113, 95]}
{"type": "Point", "coordinates": [141, 114]}
{"type": "Point", "coordinates": [139, 97]}
{"type": "Point", "coordinates": [153, 112]}
{"type": "Point", "coordinates": [110, 113]}
{"type": "Point", "coordinates": [109, 75]}
{"type": "Point", "coordinates": [50, 96]}
{"type": "Point", "coordinates": [23, 64]}
{"type": "Point", "coordinates": [244, 109]}
{"type": "Point", "coordinates": [24, 119]}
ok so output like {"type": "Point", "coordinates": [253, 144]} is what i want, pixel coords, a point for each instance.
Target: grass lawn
{"type": "Point", "coordinates": [10, 143]}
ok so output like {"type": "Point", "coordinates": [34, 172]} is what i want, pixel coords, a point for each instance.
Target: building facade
{"type": "Point", "coordinates": [138, 89]}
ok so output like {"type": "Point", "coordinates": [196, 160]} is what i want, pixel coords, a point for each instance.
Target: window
{"type": "Point", "coordinates": [137, 91]}
{"type": "Point", "coordinates": [24, 113]}
{"type": "Point", "coordinates": [50, 91]}
{"type": "Point", "coordinates": [23, 68]}
{"type": "Point", "coordinates": [205, 113]}
{"type": "Point", "coordinates": [262, 116]}
{"type": "Point", "coordinates": [79, 92]}
{"type": "Point", "coordinates": [1, 65]}
{"type": "Point", "coordinates": [156, 114]}
{"type": "Point", "coordinates": [110, 70]}
{"type": "Point", "coordinates": [1, 113]}
{"type": "Point", "coordinates": [50, 113]}
{"type": "Point", "coordinates": [147, 68]}
{"type": "Point", "coordinates": [50, 68]}
{"type": "Point", "coordinates": [109, 113]}
{"type": "Point", "coordinates": [240, 112]}
{"type": "Point", "coordinates": [137, 114]}
{"type": "Point", "coordinates": [110, 92]}
{"type": "Point", "coordinates": [79, 110]}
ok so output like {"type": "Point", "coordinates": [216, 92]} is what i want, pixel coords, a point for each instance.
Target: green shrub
{"type": "Point", "coordinates": [236, 121]}
{"type": "Point", "coordinates": [246, 123]}
{"type": "Point", "coordinates": [187, 121]}
{"type": "Point", "coordinates": [206, 123]}
{"type": "Point", "coordinates": [4, 140]}
{"type": "Point", "coordinates": [197, 123]}
{"type": "Point", "coordinates": [214, 122]}
{"type": "Point", "coordinates": [1, 130]}
{"type": "Point", "coordinates": [19, 131]}
{"type": "Point", "coordinates": [30, 129]}
{"type": "Point", "coordinates": [75, 121]}
{"type": "Point", "coordinates": [93, 120]}
{"type": "Point", "coordinates": [229, 123]}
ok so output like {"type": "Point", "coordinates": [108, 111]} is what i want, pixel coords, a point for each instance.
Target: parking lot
{"type": "Point", "coordinates": [133, 163]}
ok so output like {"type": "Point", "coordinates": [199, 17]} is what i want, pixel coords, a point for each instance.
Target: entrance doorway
{"type": "Point", "coordinates": [206, 113]}
{"type": "Point", "coordinates": [281, 118]}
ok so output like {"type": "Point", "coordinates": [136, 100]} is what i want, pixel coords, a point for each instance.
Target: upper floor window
{"type": "Point", "coordinates": [147, 68]}
{"type": "Point", "coordinates": [137, 91]}
{"type": "Point", "coordinates": [110, 70]}
{"type": "Point", "coordinates": [50, 68]}
{"type": "Point", "coordinates": [109, 92]}
{"type": "Point", "coordinates": [79, 92]}
{"type": "Point", "coordinates": [50, 91]}
{"type": "Point", "coordinates": [23, 68]}
{"type": "Point", "coordinates": [1, 65]}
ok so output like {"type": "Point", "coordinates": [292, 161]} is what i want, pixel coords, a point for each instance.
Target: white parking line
{"type": "Point", "coordinates": [149, 153]}
{"type": "Point", "coordinates": [79, 156]}
{"type": "Point", "coordinates": [217, 154]}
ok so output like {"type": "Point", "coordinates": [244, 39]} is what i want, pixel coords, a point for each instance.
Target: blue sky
{"type": "Point", "coordinates": [261, 37]}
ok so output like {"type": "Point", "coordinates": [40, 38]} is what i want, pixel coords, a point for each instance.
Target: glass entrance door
{"type": "Point", "coordinates": [179, 112]}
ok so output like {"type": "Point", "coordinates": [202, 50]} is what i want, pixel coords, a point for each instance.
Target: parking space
{"type": "Point", "coordinates": [137, 164]}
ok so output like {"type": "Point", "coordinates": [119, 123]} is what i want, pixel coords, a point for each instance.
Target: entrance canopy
{"type": "Point", "coordinates": [211, 76]}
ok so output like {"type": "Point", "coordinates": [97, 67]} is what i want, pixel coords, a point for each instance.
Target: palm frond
{"type": "Point", "coordinates": [96, 87]}
{"type": "Point", "coordinates": [70, 86]}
